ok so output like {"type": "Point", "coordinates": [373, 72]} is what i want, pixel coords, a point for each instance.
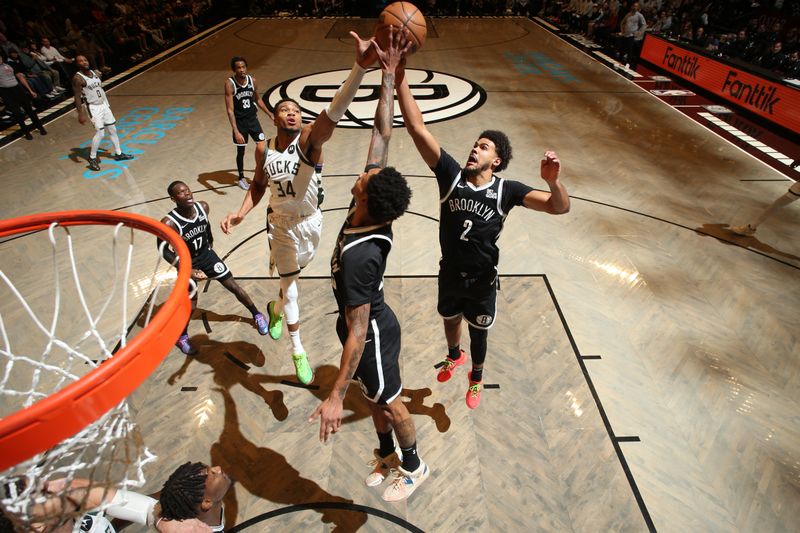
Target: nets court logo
{"type": "Point", "coordinates": [440, 96]}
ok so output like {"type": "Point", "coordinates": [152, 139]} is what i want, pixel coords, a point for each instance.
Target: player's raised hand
{"type": "Point", "coordinates": [551, 166]}
{"type": "Point", "coordinates": [397, 48]}
{"type": "Point", "coordinates": [365, 53]}
{"type": "Point", "coordinates": [229, 222]}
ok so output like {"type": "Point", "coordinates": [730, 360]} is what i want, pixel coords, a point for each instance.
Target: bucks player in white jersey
{"type": "Point", "coordinates": [90, 98]}
{"type": "Point", "coordinates": [294, 220]}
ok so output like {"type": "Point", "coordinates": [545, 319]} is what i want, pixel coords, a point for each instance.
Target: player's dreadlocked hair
{"type": "Point", "coordinates": [501, 145]}
{"type": "Point", "coordinates": [172, 186]}
{"type": "Point", "coordinates": [388, 195]}
{"type": "Point", "coordinates": [183, 492]}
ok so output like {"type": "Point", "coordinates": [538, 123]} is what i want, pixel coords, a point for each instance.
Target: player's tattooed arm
{"type": "Point", "coordinates": [77, 90]}
{"type": "Point", "coordinates": [357, 322]}
{"type": "Point", "coordinates": [330, 410]}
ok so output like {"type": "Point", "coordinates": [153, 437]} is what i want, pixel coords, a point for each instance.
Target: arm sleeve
{"type": "Point", "coordinates": [133, 507]}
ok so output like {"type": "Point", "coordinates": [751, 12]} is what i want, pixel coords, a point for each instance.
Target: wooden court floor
{"type": "Point", "coordinates": [644, 357]}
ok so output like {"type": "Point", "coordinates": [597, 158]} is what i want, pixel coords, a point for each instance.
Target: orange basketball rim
{"type": "Point", "coordinates": [61, 415]}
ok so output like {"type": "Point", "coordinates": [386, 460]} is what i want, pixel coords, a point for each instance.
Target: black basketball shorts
{"type": "Point", "coordinates": [378, 372]}
{"type": "Point", "coordinates": [249, 127]}
{"type": "Point", "coordinates": [474, 297]}
{"type": "Point", "coordinates": [212, 266]}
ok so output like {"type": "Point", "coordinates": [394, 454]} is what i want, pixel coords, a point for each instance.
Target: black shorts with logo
{"type": "Point", "coordinates": [211, 265]}
{"type": "Point", "coordinates": [249, 127]}
{"type": "Point", "coordinates": [471, 295]}
{"type": "Point", "coordinates": [378, 372]}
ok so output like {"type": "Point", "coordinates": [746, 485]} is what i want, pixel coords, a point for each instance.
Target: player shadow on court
{"type": "Point", "coordinates": [81, 155]}
{"type": "Point", "coordinates": [325, 377]}
{"type": "Point", "coordinates": [221, 177]}
{"type": "Point", "coordinates": [230, 363]}
{"type": "Point", "coordinates": [726, 236]}
{"type": "Point", "coordinates": [266, 474]}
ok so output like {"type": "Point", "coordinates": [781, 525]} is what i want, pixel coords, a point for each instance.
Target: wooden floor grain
{"type": "Point", "coordinates": [646, 356]}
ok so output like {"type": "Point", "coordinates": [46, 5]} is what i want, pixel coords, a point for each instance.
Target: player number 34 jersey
{"type": "Point", "coordinates": [293, 180]}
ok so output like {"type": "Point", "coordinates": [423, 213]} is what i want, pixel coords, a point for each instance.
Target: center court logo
{"type": "Point", "coordinates": [440, 96]}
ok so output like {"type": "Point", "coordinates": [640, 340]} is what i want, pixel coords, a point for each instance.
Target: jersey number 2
{"type": "Point", "coordinates": [467, 227]}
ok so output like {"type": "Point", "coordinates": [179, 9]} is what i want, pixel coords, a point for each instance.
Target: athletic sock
{"type": "Point", "coordinates": [297, 346]}
{"type": "Point", "coordinates": [454, 352]}
{"type": "Point", "coordinates": [410, 458]}
{"type": "Point", "coordinates": [476, 374]}
{"type": "Point", "coordinates": [386, 443]}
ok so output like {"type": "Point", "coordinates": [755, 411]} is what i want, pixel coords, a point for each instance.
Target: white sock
{"type": "Point", "coordinates": [297, 346]}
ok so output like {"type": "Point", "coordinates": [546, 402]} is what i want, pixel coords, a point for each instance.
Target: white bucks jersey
{"type": "Point", "coordinates": [93, 93]}
{"type": "Point", "coordinates": [293, 180]}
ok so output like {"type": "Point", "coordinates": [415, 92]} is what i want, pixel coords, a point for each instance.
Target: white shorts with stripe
{"type": "Point", "coordinates": [293, 241]}
{"type": "Point", "coordinates": [101, 115]}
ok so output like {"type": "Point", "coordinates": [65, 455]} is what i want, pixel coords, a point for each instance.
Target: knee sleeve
{"type": "Point", "coordinates": [240, 159]}
{"type": "Point", "coordinates": [478, 339]}
{"type": "Point", "coordinates": [290, 308]}
{"type": "Point", "coordinates": [98, 136]}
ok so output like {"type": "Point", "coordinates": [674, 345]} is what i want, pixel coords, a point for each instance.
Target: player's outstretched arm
{"type": "Point", "coordinates": [329, 411]}
{"type": "Point", "coordinates": [426, 143]}
{"type": "Point", "coordinates": [389, 59]}
{"type": "Point", "coordinates": [555, 202]}
{"type": "Point", "coordinates": [251, 199]}
{"type": "Point", "coordinates": [322, 128]}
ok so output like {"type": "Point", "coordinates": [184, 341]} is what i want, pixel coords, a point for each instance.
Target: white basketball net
{"type": "Point", "coordinates": [55, 333]}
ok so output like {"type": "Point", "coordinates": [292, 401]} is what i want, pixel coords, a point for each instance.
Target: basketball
{"type": "Point", "coordinates": [402, 15]}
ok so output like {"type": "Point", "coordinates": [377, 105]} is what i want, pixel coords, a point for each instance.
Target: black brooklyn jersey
{"type": "Point", "coordinates": [470, 218]}
{"type": "Point", "coordinates": [244, 99]}
{"type": "Point", "coordinates": [357, 267]}
{"type": "Point", "coordinates": [195, 232]}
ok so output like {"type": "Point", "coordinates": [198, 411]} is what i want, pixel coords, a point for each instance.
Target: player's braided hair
{"type": "Point", "coordinates": [501, 145]}
{"type": "Point", "coordinates": [183, 492]}
{"type": "Point", "coordinates": [388, 195]}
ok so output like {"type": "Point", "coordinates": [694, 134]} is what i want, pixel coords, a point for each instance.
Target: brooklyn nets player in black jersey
{"type": "Point", "coordinates": [190, 220]}
{"type": "Point", "coordinates": [367, 327]}
{"type": "Point", "coordinates": [474, 203]}
{"type": "Point", "coordinates": [242, 103]}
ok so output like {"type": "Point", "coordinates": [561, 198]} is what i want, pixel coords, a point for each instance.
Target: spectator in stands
{"type": "Point", "coordinates": [792, 65]}
{"type": "Point", "coordinates": [40, 84]}
{"type": "Point", "coordinates": [774, 58]}
{"type": "Point", "coordinates": [7, 46]}
{"type": "Point", "coordinates": [632, 29]}
{"type": "Point", "coordinates": [35, 60]}
{"type": "Point", "coordinates": [700, 39]}
{"type": "Point", "coordinates": [16, 94]}
{"type": "Point", "coordinates": [54, 58]}
{"type": "Point", "coordinates": [664, 23]}
{"type": "Point", "coordinates": [741, 47]}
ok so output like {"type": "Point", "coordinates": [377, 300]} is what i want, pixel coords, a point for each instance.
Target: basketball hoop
{"type": "Point", "coordinates": [68, 401]}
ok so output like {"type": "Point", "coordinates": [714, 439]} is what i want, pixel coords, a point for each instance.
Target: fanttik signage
{"type": "Point", "coordinates": [773, 101]}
